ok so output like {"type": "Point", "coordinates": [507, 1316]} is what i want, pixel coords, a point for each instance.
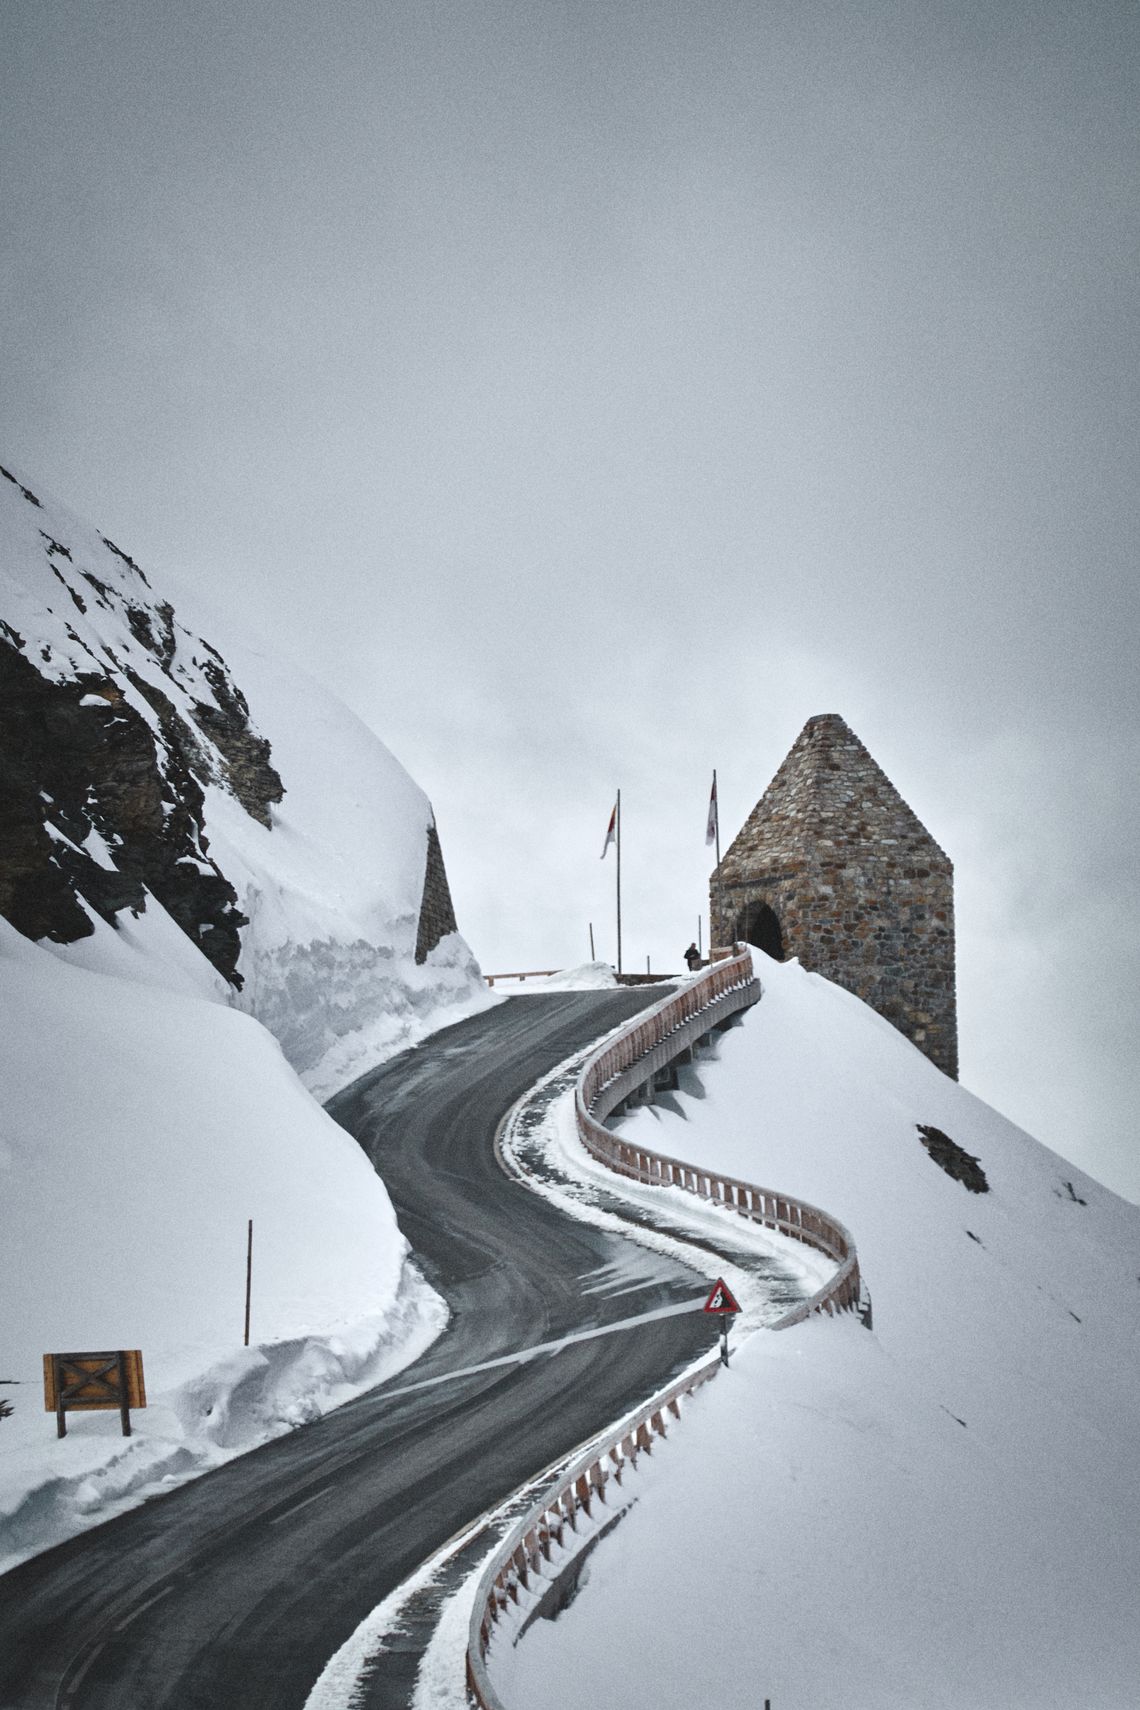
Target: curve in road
{"type": "Point", "coordinates": [236, 1588]}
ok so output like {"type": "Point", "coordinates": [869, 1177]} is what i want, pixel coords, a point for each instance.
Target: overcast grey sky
{"type": "Point", "coordinates": [593, 391]}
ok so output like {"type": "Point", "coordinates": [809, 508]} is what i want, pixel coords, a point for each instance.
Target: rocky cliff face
{"type": "Point", "coordinates": [136, 780]}
{"type": "Point", "coordinates": [113, 718]}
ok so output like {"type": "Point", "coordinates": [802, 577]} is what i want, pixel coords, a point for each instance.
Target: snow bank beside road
{"type": "Point", "coordinates": [945, 1512]}
{"type": "Point", "coordinates": [140, 1130]}
{"type": "Point", "coordinates": [333, 888]}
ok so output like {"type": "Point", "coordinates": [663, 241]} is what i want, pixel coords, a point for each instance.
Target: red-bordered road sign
{"type": "Point", "coordinates": [721, 1298]}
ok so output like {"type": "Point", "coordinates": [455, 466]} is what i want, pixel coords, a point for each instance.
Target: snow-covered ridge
{"type": "Point", "coordinates": [116, 720]}
{"type": "Point", "coordinates": [190, 831]}
{"type": "Point", "coordinates": [150, 772]}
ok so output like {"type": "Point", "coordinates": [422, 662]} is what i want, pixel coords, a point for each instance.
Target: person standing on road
{"type": "Point", "coordinates": [693, 958]}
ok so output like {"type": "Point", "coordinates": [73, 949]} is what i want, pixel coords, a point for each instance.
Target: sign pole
{"type": "Point", "coordinates": [124, 1394]}
{"type": "Point", "coordinates": [593, 958]}
{"type": "Point", "coordinates": [722, 1300]}
{"type": "Point", "coordinates": [248, 1276]}
{"type": "Point", "coordinates": [619, 883]}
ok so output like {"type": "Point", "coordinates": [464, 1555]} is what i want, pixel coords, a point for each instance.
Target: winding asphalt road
{"type": "Point", "coordinates": [236, 1589]}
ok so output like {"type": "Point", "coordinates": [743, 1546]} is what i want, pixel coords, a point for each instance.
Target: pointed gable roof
{"type": "Point", "coordinates": [829, 791]}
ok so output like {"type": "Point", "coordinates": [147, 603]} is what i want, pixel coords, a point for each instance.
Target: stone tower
{"type": "Point", "coordinates": [833, 867]}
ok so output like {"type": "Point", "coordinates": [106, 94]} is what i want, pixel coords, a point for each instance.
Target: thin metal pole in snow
{"type": "Point", "coordinates": [248, 1276]}
{"type": "Point", "coordinates": [719, 882]}
{"type": "Point", "coordinates": [700, 946]}
{"type": "Point", "coordinates": [619, 881]}
{"type": "Point", "coordinates": [593, 958]}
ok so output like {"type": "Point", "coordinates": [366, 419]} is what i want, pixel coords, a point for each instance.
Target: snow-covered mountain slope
{"type": "Point", "coordinates": [145, 769]}
{"type": "Point", "coordinates": [187, 833]}
{"type": "Point", "coordinates": [942, 1512]}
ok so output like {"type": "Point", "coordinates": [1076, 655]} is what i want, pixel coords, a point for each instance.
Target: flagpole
{"type": "Point", "coordinates": [619, 883]}
{"type": "Point", "coordinates": [719, 882]}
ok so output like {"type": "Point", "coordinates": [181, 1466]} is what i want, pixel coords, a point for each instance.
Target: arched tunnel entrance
{"type": "Point", "coordinates": [760, 925]}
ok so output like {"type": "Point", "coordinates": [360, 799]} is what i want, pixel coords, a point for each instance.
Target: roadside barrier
{"type": "Point", "coordinates": [529, 974]}
{"type": "Point", "coordinates": [543, 1531]}
{"type": "Point", "coordinates": [636, 1056]}
{"type": "Point", "coordinates": [611, 1075]}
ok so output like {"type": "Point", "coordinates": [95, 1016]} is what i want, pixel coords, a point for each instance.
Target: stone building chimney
{"type": "Point", "coordinates": [832, 866]}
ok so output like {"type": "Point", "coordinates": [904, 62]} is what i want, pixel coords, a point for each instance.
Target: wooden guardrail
{"type": "Point", "coordinates": [608, 1076]}
{"type": "Point", "coordinates": [622, 979]}
{"type": "Point", "coordinates": [543, 1530]}
{"type": "Point", "coordinates": [527, 974]}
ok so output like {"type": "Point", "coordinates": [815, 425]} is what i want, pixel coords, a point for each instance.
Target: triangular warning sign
{"type": "Point", "coordinates": [721, 1299]}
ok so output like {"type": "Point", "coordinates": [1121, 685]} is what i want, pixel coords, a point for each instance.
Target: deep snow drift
{"type": "Point", "coordinates": [141, 1129]}
{"type": "Point", "coordinates": [943, 1512]}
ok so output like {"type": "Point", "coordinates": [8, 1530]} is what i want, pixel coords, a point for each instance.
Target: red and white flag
{"type": "Point", "coordinates": [611, 831]}
{"type": "Point", "coordinates": [712, 827]}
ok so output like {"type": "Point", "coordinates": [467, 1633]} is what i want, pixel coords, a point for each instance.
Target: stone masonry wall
{"type": "Point", "coordinates": [437, 914]}
{"type": "Point", "coordinates": [862, 892]}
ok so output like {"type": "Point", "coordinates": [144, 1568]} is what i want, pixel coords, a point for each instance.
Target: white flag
{"type": "Point", "coordinates": [611, 831]}
{"type": "Point", "coordinates": [712, 828]}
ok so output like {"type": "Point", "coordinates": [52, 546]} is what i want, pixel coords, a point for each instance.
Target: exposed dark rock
{"type": "Point", "coordinates": [44, 783]}
{"type": "Point", "coordinates": [56, 548]}
{"type": "Point", "coordinates": [956, 1162]}
{"type": "Point", "coordinates": [1071, 1193]}
{"type": "Point", "coordinates": [126, 558]}
{"type": "Point", "coordinates": [77, 758]}
{"type": "Point", "coordinates": [139, 620]}
{"type": "Point", "coordinates": [112, 728]}
{"type": "Point", "coordinates": [250, 775]}
{"type": "Point", "coordinates": [100, 588]}
{"type": "Point", "coordinates": [28, 494]}
{"type": "Point", "coordinates": [437, 915]}
{"type": "Point", "coordinates": [77, 599]}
